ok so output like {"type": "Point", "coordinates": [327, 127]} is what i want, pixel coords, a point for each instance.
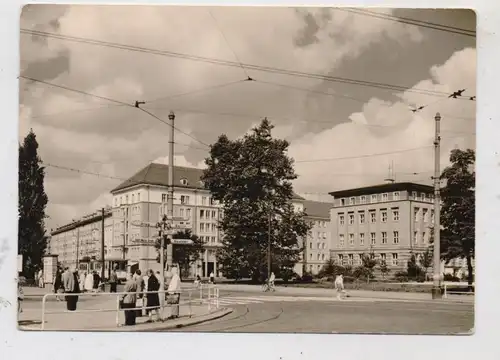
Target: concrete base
{"type": "Point", "coordinates": [437, 293]}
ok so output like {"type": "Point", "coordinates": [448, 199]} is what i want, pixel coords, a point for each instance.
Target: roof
{"type": "Point", "coordinates": [87, 219]}
{"type": "Point", "coordinates": [409, 186]}
{"type": "Point", "coordinates": [157, 174]}
{"type": "Point", "coordinates": [317, 209]}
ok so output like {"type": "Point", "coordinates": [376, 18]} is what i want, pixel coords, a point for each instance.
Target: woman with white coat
{"type": "Point", "coordinates": [174, 293]}
{"type": "Point", "coordinates": [89, 282]}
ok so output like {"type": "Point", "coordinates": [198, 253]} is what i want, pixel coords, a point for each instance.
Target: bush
{"type": "Point", "coordinates": [401, 276]}
{"type": "Point", "coordinates": [307, 277]}
{"type": "Point", "coordinates": [451, 277]}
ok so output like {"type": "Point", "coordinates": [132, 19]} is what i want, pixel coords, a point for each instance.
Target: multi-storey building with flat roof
{"type": "Point", "coordinates": [138, 204]}
{"type": "Point", "coordinates": [391, 220]}
{"type": "Point", "coordinates": [317, 246]}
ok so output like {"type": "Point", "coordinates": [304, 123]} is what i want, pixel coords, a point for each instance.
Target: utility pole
{"type": "Point", "coordinates": [102, 246]}
{"type": "Point", "coordinates": [77, 247]}
{"type": "Point", "coordinates": [170, 194]}
{"type": "Point", "coordinates": [436, 288]}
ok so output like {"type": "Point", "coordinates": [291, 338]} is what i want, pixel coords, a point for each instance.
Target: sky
{"type": "Point", "coordinates": [341, 135]}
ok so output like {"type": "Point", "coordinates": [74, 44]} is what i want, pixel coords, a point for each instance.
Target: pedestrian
{"type": "Point", "coordinates": [96, 281]}
{"type": "Point", "coordinates": [70, 283]}
{"type": "Point", "coordinates": [113, 279]}
{"type": "Point", "coordinates": [197, 281]}
{"type": "Point", "coordinates": [339, 286]}
{"type": "Point", "coordinates": [129, 299]}
{"type": "Point", "coordinates": [89, 282]}
{"type": "Point", "coordinates": [174, 294]}
{"type": "Point", "coordinates": [40, 279]}
{"type": "Point", "coordinates": [140, 291]}
{"type": "Point", "coordinates": [272, 278]}
{"type": "Point", "coordinates": [212, 278]}
{"type": "Point", "coordinates": [153, 298]}
{"type": "Point", "coordinates": [58, 285]}
{"type": "Point", "coordinates": [81, 281]}
{"type": "Point", "coordinates": [20, 297]}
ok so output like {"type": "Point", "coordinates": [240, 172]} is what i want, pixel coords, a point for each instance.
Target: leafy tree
{"type": "Point", "coordinates": [368, 263]}
{"type": "Point", "coordinates": [384, 269]}
{"type": "Point", "coordinates": [413, 270]}
{"type": "Point", "coordinates": [183, 254]}
{"type": "Point", "coordinates": [251, 177]}
{"type": "Point", "coordinates": [331, 269]}
{"type": "Point", "coordinates": [458, 209]}
{"type": "Point", "coordinates": [32, 238]}
{"type": "Point", "coordinates": [427, 258]}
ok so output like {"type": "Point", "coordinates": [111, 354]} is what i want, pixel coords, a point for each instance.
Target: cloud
{"type": "Point", "coordinates": [403, 139]}
{"type": "Point", "coordinates": [180, 160]}
{"type": "Point", "coordinates": [102, 138]}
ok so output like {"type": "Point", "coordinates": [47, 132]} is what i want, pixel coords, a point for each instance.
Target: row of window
{"type": "Point", "coordinates": [396, 195]}
{"type": "Point", "coordinates": [318, 245]}
{"type": "Point", "coordinates": [207, 214]}
{"type": "Point", "coordinates": [119, 202]}
{"type": "Point", "coordinates": [350, 259]}
{"type": "Point", "coordinates": [319, 235]}
{"type": "Point", "coordinates": [207, 227]}
{"type": "Point", "coordinates": [318, 257]}
{"type": "Point", "coordinates": [373, 216]}
{"type": "Point", "coordinates": [373, 238]}
{"type": "Point", "coordinates": [423, 214]}
{"type": "Point", "coordinates": [208, 239]}
{"type": "Point", "coordinates": [320, 224]}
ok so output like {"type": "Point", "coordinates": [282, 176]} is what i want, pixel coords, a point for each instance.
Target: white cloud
{"type": "Point", "coordinates": [180, 160]}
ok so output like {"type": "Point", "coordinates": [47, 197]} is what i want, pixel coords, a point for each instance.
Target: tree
{"type": "Point", "coordinates": [426, 259]}
{"type": "Point", "coordinates": [458, 209]}
{"type": "Point", "coordinates": [32, 238]}
{"type": "Point", "coordinates": [384, 269]}
{"type": "Point", "coordinates": [368, 264]}
{"type": "Point", "coordinates": [251, 177]}
{"type": "Point", "coordinates": [183, 254]}
{"type": "Point", "coordinates": [413, 270]}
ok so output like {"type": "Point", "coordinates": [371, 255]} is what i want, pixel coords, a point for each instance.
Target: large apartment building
{"type": "Point", "coordinates": [391, 220]}
{"type": "Point", "coordinates": [138, 204]}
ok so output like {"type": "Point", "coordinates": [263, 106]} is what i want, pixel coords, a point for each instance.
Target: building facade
{"type": "Point", "coordinates": [391, 220]}
{"type": "Point", "coordinates": [317, 246]}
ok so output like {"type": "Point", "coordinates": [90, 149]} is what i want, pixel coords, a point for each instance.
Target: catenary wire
{"type": "Point", "coordinates": [233, 64]}
{"type": "Point", "coordinates": [408, 21]}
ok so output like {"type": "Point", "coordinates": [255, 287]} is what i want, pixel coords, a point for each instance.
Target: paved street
{"type": "Point", "coordinates": [320, 314]}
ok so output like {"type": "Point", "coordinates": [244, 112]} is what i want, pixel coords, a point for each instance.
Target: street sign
{"type": "Point", "coordinates": [181, 226]}
{"type": "Point", "coordinates": [176, 218]}
{"type": "Point", "coordinates": [182, 241]}
{"type": "Point", "coordinates": [140, 223]}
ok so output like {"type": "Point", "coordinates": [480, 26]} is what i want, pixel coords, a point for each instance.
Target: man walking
{"type": "Point", "coordinates": [129, 299]}
{"type": "Point", "coordinates": [113, 279]}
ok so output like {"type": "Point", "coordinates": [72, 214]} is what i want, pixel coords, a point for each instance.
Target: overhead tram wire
{"type": "Point", "coordinates": [414, 22]}
{"type": "Point", "coordinates": [229, 45]}
{"type": "Point", "coordinates": [228, 63]}
{"type": "Point", "coordinates": [115, 101]}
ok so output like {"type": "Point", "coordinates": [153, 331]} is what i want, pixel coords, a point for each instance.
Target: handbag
{"type": "Point", "coordinates": [139, 303]}
{"type": "Point", "coordinates": [172, 299]}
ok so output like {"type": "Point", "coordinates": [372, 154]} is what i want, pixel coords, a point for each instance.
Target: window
{"type": "Point", "coordinates": [203, 200]}
{"type": "Point", "coordinates": [416, 213]}
{"type": "Point", "coordinates": [116, 202]}
{"type": "Point", "coordinates": [422, 196]}
{"type": "Point", "coordinates": [350, 259]}
{"type": "Point", "coordinates": [372, 238]}
{"type": "Point", "coordinates": [214, 228]}
{"type": "Point", "coordinates": [363, 199]}
{"type": "Point", "coordinates": [352, 201]}
{"type": "Point", "coordinates": [374, 198]}
{"type": "Point", "coordinates": [138, 197]}
{"type": "Point", "coordinates": [342, 202]}
{"type": "Point", "coordinates": [415, 237]}
{"type": "Point", "coordinates": [384, 237]}
{"type": "Point", "coordinates": [351, 219]}
{"type": "Point", "coordinates": [310, 256]}
{"type": "Point", "coordinates": [341, 220]}
{"type": "Point", "coordinates": [318, 235]}
{"type": "Point", "coordinates": [126, 199]}
{"type": "Point", "coordinates": [322, 256]}
{"type": "Point", "coordinates": [310, 245]}
{"type": "Point", "coordinates": [184, 199]}
{"type": "Point", "coordinates": [395, 214]}
{"type": "Point", "coordinates": [121, 201]}
{"type": "Point", "coordinates": [188, 213]}
{"type": "Point", "coordinates": [133, 198]}
{"type": "Point", "coordinates": [424, 214]}
{"type": "Point", "coordinates": [432, 216]}
{"type": "Point", "coordinates": [351, 239]}
{"type": "Point", "coordinates": [213, 239]}
{"type": "Point", "coordinates": [394, 259]}
{"type": "Point", "coordinates": [341, 240]}
{"type": "Point", "coordinates": [383, 258]}
{"type": "Point", "coordinates": [383, 216]}
{"type": "Point", "coordinates": [202, 214]}
{"type": "Point", "coordinates": [361, 217]}
{"type": "Point", "coordinates": [202, 227]}
{"type": "Point", "coordinates": [395, 237]}
{"type": "Point", "coordinates": [163, 198]}
{"type": "Point", "coordinates": [362, 239]}
{"type": "Point", "coordinates": [184, 182]}
{"type": "Point", "coordinates": [213, 214]}
{"type": "Point", "coordinates": [318, 257]}
{"type": "Point", "coordinates": [211, 201]}
{"type": "Point", "coordinates": [323, 246]}
{"type": "Point", "coordinates": [208, 214]}
{"type": "Point", "coordinates": [414, 195]}
{"type": "Point", "coordinates": [385, 197]}
{"type": "Point", "coordinates": [424, 237]}
{"type": "Point", "coordinates": [341, 258]}
{"type": "Point", "coordinates": [395, 195]}
{"type": "Point", "coordinates": [373, 217]}
{"type": "Point", "coordinates": [317, 245]}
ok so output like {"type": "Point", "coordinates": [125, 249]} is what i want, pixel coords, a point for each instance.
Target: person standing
{"type": "Point", "coordinates": [58, 285]}
{"type": "Point", "coordinates": [70, 283]}
{"type": "Point", "coordinates": [96, 279]}
{"type": "Point", "coordinates": [339, 286]}
{"type": "Point", "coordinates": [140, 291]}
{"type": "Point", "coordinates": [129, 299]}
{"type": "Point", "coordinates": [81, 281]}
{"type": "Point", "coordinates": [153, 298]}
{"type": "Point", "coordinates": [212, 278]}
{"type": "Point", "coordinates": [89, 282]}
{"type": "Point", "coordinates": [113, 279]}
{"type": "Point", "coordinates": [174, 293]}
{"type": "Point", "coordinates": [40, 279]}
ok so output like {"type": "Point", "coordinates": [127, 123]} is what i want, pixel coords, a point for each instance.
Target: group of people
{"type": "Point", "coordinates": [90, 282]}
{"type": "Point", "coordinates": [142, 292]}
{"type": "Point", "coordinates": [39, 281]}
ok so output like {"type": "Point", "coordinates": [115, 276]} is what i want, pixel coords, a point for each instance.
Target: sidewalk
{"type": "Point", "coordinates": [99, 313]}
{"type": "Point", "coordinates": [379, 295]}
